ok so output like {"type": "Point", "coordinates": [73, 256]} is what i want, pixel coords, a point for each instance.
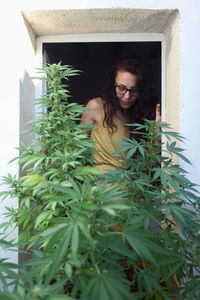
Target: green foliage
{"type": "Point", "coordinates": [95, 236]}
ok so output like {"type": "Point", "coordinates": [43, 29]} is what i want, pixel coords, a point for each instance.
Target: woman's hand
{"type": "Point", "coordinates": [158, 119]}
{"type": "Point", "coordinates": [158, 114]}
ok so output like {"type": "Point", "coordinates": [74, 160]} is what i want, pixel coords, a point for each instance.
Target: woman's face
{"type": "Point", "coordinates": [126, 88]}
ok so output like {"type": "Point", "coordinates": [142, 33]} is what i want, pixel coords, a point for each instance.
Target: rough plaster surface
{"type": "Point", "coordinates": [172, 74]}
{"type": "Point", "coordinates": [51, 22]}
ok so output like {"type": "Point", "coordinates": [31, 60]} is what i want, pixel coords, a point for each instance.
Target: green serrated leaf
{"type": "Point", "coordinates": [68, 270]}
{"type": "Point", "coordinates": [42, 217]}
{"type": "Point", "coordinates": [86, 233]}
{"type": "Point", "coordinates": [75, 240]}
{"type": "Point", "coordinates": [140, 248]}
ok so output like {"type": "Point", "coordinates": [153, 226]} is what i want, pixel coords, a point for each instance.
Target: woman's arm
{"type": "Point", "coordinates": [92, 115]}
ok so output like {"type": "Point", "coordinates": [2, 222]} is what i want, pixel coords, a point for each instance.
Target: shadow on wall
{"type": "Point", "coordinates": [27, 109]}
{"type": "Point", "coordinates": [27, 113]}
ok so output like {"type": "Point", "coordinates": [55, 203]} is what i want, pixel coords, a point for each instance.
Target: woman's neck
{"type": "Point", "coordinates": [123, 115]}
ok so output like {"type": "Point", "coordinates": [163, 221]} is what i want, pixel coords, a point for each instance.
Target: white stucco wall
{"type": "Point", "coordinates": [17, 63]}
{"type": "Point", "coordinates": [18, 60]}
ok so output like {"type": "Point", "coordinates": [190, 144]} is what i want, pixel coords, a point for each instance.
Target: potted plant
{"type": "Point", "coordinates": [97, 236]}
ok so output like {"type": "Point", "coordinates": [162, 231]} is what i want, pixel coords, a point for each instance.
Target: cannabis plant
{"type": "Point", "coordinates": [165, 205]}
{"type": "Point", "coordinates": [130, 234]}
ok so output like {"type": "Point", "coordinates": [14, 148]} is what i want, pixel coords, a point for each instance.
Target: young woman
{"type": "Point", "coordinates": [126, 98]}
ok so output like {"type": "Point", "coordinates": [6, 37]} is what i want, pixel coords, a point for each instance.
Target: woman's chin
{"type": "Point", "coordinates": [126, 104]}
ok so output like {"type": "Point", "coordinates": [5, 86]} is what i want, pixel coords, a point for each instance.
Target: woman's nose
{"type": "Point", "coordinates": [127, 95]}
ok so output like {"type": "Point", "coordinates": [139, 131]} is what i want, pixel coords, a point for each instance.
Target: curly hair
{"type": "Point", "coordinates": [144, 106]}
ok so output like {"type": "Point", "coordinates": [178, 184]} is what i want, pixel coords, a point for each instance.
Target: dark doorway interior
{"type": "Point", "coordinates": [95, 59]}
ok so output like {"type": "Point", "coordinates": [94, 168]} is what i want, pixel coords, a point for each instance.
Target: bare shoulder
{"type": "Point", "coordinates": [93, 114]}
{"type": "Point", "coordinates": [94, 104]}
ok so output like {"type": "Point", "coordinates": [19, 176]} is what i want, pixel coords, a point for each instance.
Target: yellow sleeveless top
{"type": "Point", "coordinates": [103, 142]}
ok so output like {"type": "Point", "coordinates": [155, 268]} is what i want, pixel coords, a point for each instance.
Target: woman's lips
{"type": "Point", "coordinates": [127, 102]}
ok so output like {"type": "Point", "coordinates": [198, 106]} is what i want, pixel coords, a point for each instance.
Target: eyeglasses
{"type": "Point", "coordinates": [122, 90]}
